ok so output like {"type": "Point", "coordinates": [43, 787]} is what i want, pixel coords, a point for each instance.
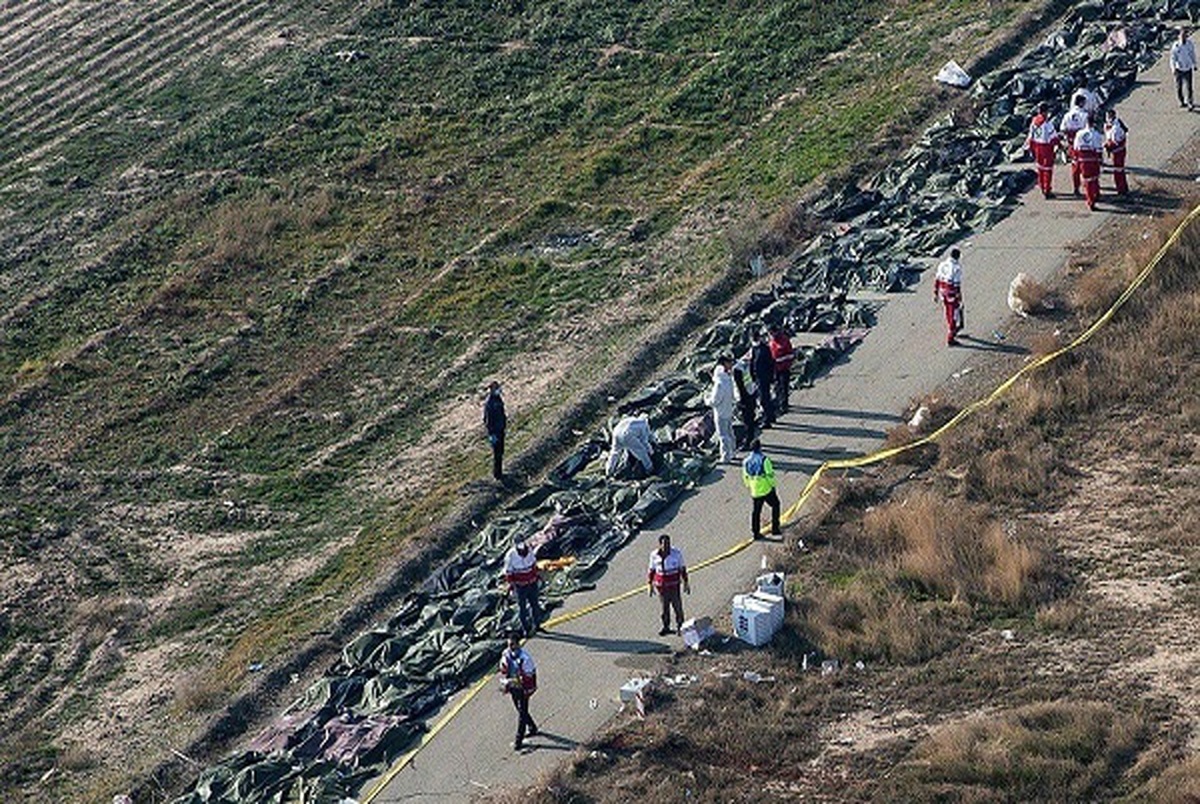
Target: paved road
{"type": "Point", "coordinates": [583, 663]}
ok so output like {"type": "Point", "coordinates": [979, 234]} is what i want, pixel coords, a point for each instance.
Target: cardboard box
{"type": "Point", "coordinates": [632, 689]}
{"type": "Point", "coordinates": [696, 630]}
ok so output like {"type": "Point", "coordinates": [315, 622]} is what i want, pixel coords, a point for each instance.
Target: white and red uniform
{"type": "Point", "coordinates": [1115, 134]}
{"type": "Point", "coordinates": [1091, 101]}
{"type": "Point", "coordinates": [1089, 151]}
{"type": "Point", "coordinates": [1042, 140]}
{"type": "Point", "coordinates": [667, 572]}
{"type": "Point", "coordinates": [947, 288]}
{"type": "Point", "coordinates": [1072, 123]}
{"type": "Point", "coordinates": [520, 570]}
{"type": "Point", "coordinates": [518, 670]}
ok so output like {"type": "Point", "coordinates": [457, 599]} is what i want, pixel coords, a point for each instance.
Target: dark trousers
{"type": "Point", "coordinates": [497, 455]}
{"type": "Point", "coordinates": [772, 499]}
{"type": "Point", "coordinates": [520, 700]}
{"type": "Point", "coordinates": [1183, 80]}
{"type": "Point", "coordinates": [671, 598]}
{"type": "Point", "coordinates": [764, 399]}
{"type": "Point", "coordinates": [527, 607]}
{"type": "Point", "coordinates": [747, 408]}
{"type": "Point", "coordinates": [783, 384]}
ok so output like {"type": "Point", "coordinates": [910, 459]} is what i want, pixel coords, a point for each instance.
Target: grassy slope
{"type": "Point", "coordinates": [240, 278]}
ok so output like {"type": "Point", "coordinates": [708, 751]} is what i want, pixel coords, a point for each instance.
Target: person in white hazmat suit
{"type": "Point", "coordinates": [721, 398]}
{"type": "Point", "coordinates": [631, 436]}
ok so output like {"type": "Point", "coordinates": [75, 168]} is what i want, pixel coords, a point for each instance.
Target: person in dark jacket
{"type": "Point", "coordinates": [495, 422]}
{"type": "Point", "coordinates": [762, 369]}
{"type": "Point", "coordinates": [745, 403]}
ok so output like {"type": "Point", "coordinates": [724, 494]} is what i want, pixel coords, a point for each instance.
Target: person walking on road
{"type": "Point", "coordinates": [518, 678]}
{"type": "Point", "coordinates": [720, 398]}
{"type": "Point", "coordinates": [1115, 135]}
{"type": "Point", "coordinates": [630, 438]}
{"type": "Point", "coordinates": [495, 423]}
{"type": "Point", "coordinates": [1183, 64]}
{"type": "Point", "coordinates": [1042, 142]}
{"type": "Point", "coordinates": [521, 573]}
{"type": "Point", "coordinates": [667, 575]}
{"type": "Point", "coordinates": [784, 354]}
{"type": "Point", "coordinates": [1073, 122]}
{"type": "Point", "coordinates": [762, 369]}
{"type": "Point", "coordinates": [947, 289]}
{"type": "Point", "coordinates": [759, 476]}
{"type": "Point", "coordinates": [1089, 154]}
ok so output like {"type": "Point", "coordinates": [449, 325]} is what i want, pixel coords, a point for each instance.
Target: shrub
{"type": "Point", "coordinates": [1060, 751]}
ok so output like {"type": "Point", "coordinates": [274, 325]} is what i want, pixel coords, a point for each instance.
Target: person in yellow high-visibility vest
{"type": "Point", "coordinates": [759, 477]}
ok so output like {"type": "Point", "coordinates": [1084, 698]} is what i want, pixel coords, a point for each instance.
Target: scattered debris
{"type": "Point", "coordinates": [953, 75]}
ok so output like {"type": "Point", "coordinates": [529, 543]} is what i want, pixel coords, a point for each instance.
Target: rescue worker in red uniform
{"type": "Point", "coordinates": [667, 574]}
{"type": "Point", "coordinates": [1089, 153]}
{"type": "Point", "coordinates": [1115, 134]}
{"type": "Point", "coordinates": [947, 289]}
{"type": "Point", "coordinates": [521, 572]}
{"type": "Point", "coordinates": [1072, 123]}
{"type": "Point", "coordinates": [784, 354]}
{"type": "Point", "coordinates": [1042, 142]}
{"type": "Point", "coordinates": [518, 678]}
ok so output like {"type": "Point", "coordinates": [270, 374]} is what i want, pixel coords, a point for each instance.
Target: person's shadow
{"type": "Point", "coordinates": [549, 741]}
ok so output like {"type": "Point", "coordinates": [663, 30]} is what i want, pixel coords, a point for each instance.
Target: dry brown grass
{"type": "Point", "coordinates": [1050, 752]}
{"type": "Point", "coordinates": [953, 550]}
{"type": "Point", "coordinates": [200, 692]}
{"type": "Point", "coordinates": [1178, 784]}
{"type": "Point", "coordinates": [871, 619]}
{"type": "Point", "coordinates": [906, 580]}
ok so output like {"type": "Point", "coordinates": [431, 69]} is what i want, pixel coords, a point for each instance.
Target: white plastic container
{"type": "Point", "coordinates": [771, 583]}
{"type": "Point", "coordinates": [774, 604]}
{"type": "Point", "coordinates": [753, 621]}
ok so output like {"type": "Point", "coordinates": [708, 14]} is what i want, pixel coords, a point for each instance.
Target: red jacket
{"type": "Point", "coordinates": [782, 351]}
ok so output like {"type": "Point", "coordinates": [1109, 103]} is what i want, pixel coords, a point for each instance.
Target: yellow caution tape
{"type": "Point", "coordinates": [790, 514]}
{"type": "Point", "coordinates": [1086, 335]}
{"type": "Point", "coordinates": [404, 761]}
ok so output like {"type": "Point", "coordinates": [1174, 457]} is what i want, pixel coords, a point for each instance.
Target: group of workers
{"type": "Point", "coordinates": [666, 578]}
{"type": "Point", "coordinates": [767, 369]}
{"type": "Point", "coordinates": [1081, 143]}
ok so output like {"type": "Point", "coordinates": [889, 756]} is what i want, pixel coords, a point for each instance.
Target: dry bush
{"type": "Point", "coordinates": [1178, 784]}
{"type": "Point", "coordinates": [1050, 752]}
{"type": "Point", "coordinates": [872, 619]}
{"type": "Point", "coordinates": [1044, 343]}
{"type": "Point", "coordinates": [1070, 616]}
{"type": "Point", "coordinates": [200, 692]}
{"type": "Point", "coordinates": [953, 550]}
